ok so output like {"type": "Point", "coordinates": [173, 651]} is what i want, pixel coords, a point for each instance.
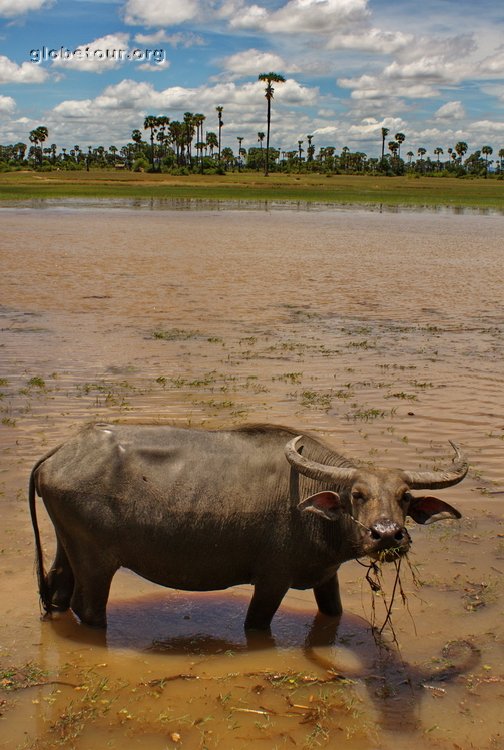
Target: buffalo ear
{"type": "Point", "coordinates": [326, 504]}
{"type": "Point", "coordinates": [427, 510]}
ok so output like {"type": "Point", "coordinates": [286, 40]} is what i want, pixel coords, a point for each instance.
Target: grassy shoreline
{"type": "Point", "coordinates": [235, 186]}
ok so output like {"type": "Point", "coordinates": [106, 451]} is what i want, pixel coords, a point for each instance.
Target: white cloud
{"type": "Point", "coordinates": [434, 69]}
{"type": "Point", "coordinates": [179, 39]}
{"type": "Point", "coordinates": [121, 107]}
{"type": "Point", "coordinates": [140, 96]}
{"type": "Point", "coordinates": [7, 105]}
{"type": "Point", "coordinates": [371, 40]}
{"type": "Point", "coordinates": [370, 127]}
{"type": "Point", "coordinates": [489, 128]}
{"type": "Point", "coordinates": [450, 111]}
{"type": "Point", "coordinates": [97, 56]}
{"type": "Point", "coordinates": [493, 65]}
{"type": "Point", "coordinates": [13, 8]}
{"type": "Point", "coordinates": [299, 16]}
{"type": "Point", "coordinates": [421, 77]}
{"type": "Point", "coordinates": [160, 12]}
{"type": "Point", "coordinates": [251, 62]}
{"type": "Point", "coordinates": [27, 72]}
{"type": "Point", "coordinates": [155, 67]}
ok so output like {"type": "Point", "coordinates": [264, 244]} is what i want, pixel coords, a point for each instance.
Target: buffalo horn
{"type": "Point", "coordinates": [314, 470]}
{"type": "Point", "coordinates": [436, 480]}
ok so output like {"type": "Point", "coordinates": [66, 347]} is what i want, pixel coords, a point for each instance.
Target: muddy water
{"type": "Point", "coordinates": [381, 332]}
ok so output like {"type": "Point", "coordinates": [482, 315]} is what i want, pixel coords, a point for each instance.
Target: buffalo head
{"type": "Point", "coordinates": [377, 500]}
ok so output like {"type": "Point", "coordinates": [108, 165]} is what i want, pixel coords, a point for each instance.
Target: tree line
{"type": "Point", "coordinates": [185, 146]}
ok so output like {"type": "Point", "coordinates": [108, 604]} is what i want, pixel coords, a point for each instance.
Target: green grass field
{"type": "Point", "coordinates": [247, 186]}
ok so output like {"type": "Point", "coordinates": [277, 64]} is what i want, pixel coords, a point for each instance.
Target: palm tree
{"type": "Point", "coordinates": [461, 149]}
{"type": "Point", "coordinates": [212, 142]}
{"type": "Point", "coordinates": [400, 138]}
{"type": "Point", "coordinates": [300, 154]}
{"type": "Point", "coordinates": [189, 126]}
{"type": "Point", "coordinates": [394, 148]}
{"type": "Point", "coordinates": [438, 151]}
{"type": "Point", "coordinates": [344, 157]}
{"type": "Point", "coordinates": [311, 148]}
{"type": "Point", "coordinates": [421, 153]}
{"type": "Point", "coordinates": [260, 137]}
{"type": "Point", "coordinates": [38, 136]}
{"type": "Point", "coordinates": [177, 132]}
{"type": "Point", "coordinates": [219, 117]}
{"type": "Point", "coordinates": [239, 139]}
{"type": "Point", "coordinates": [384, 134]}
{"type": "Point", "coordinates": [198, 120]}
{"type": "Point", "coordinates": [163, 122]}
{"type": "Point", "coordinates": [488, 151]}
{"type": "Point", "coordinates": [151, 123]}
{"type": "Point", "coordinates": [270, 78]}
{"type": "Point", "coordinates": [501, 157]}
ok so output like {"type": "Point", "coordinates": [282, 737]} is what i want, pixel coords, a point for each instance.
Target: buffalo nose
{"type": "Point", "coordinates": [388, 533]}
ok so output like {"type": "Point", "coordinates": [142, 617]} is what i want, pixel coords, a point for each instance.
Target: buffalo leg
{"type": "Point", "coordinates": [93, 571]}
{"type": "Point", "coordinates": [89, 600]}
{"type": "Point", "coordinates": [267, 598]}
{"type": "Point", "coordinates": [328, 597]}
{"type": "Point", "coordinates": [60, 580]}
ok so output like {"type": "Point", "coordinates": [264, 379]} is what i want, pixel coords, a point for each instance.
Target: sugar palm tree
{"type": "Point", "coordinates": [421, 153]}
{"type": "Point", "coordinates": [300, 153]}
{"type": "Point", "coordinates": [461, 149]}
{"type": "Point", "coordinates": [488, 151]}
{"type": "Point", "coordinates": [198, 120]}
{"type": "Point", "coordinates": [501, 157]}
{"type": "Point", "coordinates": [394, 148]}
{"type": "Point", "coordinates": [219, 118]}
{"type": "Point", "coordinates": [239, 139]}
{"type": "Point", "coordinates": [438, 151]}
{"type": "Point", "coordinates": [399, 138]}
{"type": "Point", "coordinates": [311, 148]}
{"type": "Point", "coordinates": [37, 137]}
{"type": "Point", "coordinates": [190, 129]}
{"type": "Point", "coordinates": [151, 123]}
{"type": "Point", "coordinates": [384, 134]}
{"type": "Point", "coordinates": [269, 78]}
{"type": "Point", "coordinates": [177, 137]}
{"type": "Point", "coordinates": [212, 142]}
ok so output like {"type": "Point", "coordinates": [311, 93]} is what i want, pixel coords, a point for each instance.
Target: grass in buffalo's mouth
{"type": "Point", "coordinates": [374, 578]}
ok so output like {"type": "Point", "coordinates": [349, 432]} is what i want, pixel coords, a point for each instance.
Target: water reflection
{"type": "Point", "coordinates": [201, 204]}
{"type": "Point", "coordinates": [342, 652]}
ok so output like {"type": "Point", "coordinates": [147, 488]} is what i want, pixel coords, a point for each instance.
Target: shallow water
{"type": "Point", "coordinates": [383, 332]}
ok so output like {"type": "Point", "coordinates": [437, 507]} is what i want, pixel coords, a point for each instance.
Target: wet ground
{"type": "Point", "coordinates": [383, 333]}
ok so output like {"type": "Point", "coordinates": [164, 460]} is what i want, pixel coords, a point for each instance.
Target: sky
{"type": "Point", "coordinates": [92, 70]}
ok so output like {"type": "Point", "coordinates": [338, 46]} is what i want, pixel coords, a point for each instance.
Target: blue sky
{"type": "Point", "coordinates": [432, 70]}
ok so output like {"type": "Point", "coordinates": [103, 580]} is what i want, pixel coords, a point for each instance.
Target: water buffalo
{"type": "Point", "coordinates": [201, 510]}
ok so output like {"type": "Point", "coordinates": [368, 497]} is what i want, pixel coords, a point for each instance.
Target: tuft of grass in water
{"type": "Point", "coordinates": [403, 396]}
{"type": "Point", "coordinates": [289, 377]}
{"type": "Point", "coordinates": [367, 415]}
{"type": "Point", "coordinates": [18, 678]}
{"type": "Point", "coordinates": [174, 334]}
{"type": "Point", "coordinates": [314, 400]}
{"type": "Point", "coordinates": [37, 382]}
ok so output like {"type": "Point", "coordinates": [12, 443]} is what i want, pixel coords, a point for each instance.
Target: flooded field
{"type": "Point", "coordinates": [380, 332]}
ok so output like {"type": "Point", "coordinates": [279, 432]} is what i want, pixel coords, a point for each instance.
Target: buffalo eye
{"type": "Point", "coordinates": [357, 495]}
{"type": "Point", "coordinates": [406, 498]}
